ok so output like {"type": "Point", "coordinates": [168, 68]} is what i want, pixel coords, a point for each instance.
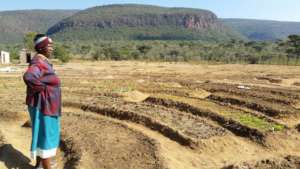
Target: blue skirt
{"type": "Point", "coordinates": [45, 134]}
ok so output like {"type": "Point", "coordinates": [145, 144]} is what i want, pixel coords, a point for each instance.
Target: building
{"type": "Point", "coordinates": [4, 57]}
{"type": "Point", "coordinates": [25, 56]}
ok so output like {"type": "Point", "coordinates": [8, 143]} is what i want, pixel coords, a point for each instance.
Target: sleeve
{"type": "Point", "coordinates": [32, 79]}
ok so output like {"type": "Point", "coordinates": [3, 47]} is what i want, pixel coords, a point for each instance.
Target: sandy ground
{"type": "Point", "coordinates": [15, 153]}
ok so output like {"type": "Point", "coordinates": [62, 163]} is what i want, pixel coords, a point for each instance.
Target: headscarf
{"type": "Point", "coordinates": [41, 43]}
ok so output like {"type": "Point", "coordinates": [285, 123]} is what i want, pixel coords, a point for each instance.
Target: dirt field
{"type": "Point", "coordinates": [137, 115]}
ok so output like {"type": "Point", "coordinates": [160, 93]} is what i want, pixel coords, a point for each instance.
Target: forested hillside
{"type": "Point", "coordinates": [14, 24]}
{"type": "Point", "coordinates": [142, 22]}
{"type": "Point", "coordinates": [263, 29]}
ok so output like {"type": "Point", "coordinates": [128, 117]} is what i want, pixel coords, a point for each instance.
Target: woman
{"type": "Point", "coordinates": [44, 103]}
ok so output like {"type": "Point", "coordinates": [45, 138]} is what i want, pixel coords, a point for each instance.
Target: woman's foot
{"type": "Point", "coordinates": [53, 165]}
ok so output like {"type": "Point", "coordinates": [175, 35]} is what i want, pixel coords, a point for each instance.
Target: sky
{"type": "Point", "coordinates": [282, 10]}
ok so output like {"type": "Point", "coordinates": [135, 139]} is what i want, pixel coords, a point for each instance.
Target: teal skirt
{"type": "Point", "coordinates": [45, 134]}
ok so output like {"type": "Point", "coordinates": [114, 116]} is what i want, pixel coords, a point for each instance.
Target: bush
{"type": "Point", "coordinates": [112, 53]}
{"type": "Point", "coordinates": [61, 53]}
{"type": "Point", "coordinates": [252, 59]}
{"type": "Point", "coordinates": [98, 55]}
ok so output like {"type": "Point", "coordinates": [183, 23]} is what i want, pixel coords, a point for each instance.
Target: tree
{"type": "Point", "coordinates": [257, 46]}
{"type": "Point", "coordinates": [28, 41]}
{"type": "Point", "coordinates": [61, 53]}
{"type": "Point", "coordinates": [135, 55]}
{"type": "Point", "coordinates": [14, 53]}
{"type": "Point", "coordinates": [174, 55]}
{"type": "Point", "coordinates": [97, 55]}
{"type": "Point", "coordinates": [252, 59]}
{"type": "Point", "coordinates": [293, 49]}
{"type": "Point", "coordinates": [85, 49]}
{"type": "Point", "coordinates": [112, 53]}
{"type": "Point", "coordinates": [144, 49]}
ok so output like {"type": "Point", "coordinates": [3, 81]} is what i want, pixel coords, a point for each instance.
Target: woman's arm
{"type": "Point", "coordinates": [50, 80]}
{"type": "Point", "coordinates": [32, 79]}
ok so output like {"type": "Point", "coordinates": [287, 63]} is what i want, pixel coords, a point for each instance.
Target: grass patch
{"type": "Point", "coordinates": [255, 122]}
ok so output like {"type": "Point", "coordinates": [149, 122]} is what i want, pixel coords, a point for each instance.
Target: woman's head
{"type": "Point", "coordinates": [43, 45]}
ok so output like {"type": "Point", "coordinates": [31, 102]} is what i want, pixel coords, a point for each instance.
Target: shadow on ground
{"type": "Point", "coordinates": [14, 159]}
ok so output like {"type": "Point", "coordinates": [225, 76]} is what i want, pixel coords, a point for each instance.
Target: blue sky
{"type": "Point", "coordinates": [285, 10]}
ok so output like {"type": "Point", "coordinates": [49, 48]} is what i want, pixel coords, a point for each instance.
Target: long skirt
{"type": "Point", "coordinates": [45, 134]}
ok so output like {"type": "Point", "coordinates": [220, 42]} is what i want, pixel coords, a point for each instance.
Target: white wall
{"type": "Point", "coordinates": [5, 59]}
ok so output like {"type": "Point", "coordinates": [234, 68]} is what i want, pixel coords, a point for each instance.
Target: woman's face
{"type": "Point", "coordinates": [49, 50]}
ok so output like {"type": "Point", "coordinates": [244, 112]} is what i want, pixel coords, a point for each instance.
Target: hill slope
{"type": "Point", "coordinates": [14, 24]}
{"type": "Point", "coordinates": [263, 29]}
{"type": "Point", "coordinates": [140, 22]}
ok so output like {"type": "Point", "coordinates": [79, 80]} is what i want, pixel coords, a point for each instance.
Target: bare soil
{"type": "Point", "coordinates": [289, 162]}
{"type": "Point", "coordinates": [105, 144]}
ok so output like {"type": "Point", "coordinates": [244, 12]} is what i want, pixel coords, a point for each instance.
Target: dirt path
{"type": "Point", "coordinates": [15, 146]}
{"type": "Point", "coordinates": [15, 151]}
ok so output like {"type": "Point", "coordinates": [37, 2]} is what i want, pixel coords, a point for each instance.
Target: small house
{"type": "Point", "coordinates": [4, 57]}
{"type": "Point", "coordinates": [25, 56]}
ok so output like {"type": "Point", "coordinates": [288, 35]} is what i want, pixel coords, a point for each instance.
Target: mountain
{"type": "Point", "coordinates": [141, 22]}
{"type": "Point", "coordinates": [263, 29]}
{"type": "Point", "coordinates": [14, 24]}
{"type": "Point", "coordinates": [138, 22]}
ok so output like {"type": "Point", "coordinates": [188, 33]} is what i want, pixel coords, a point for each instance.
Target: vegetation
{"type": "Point", "coordinates": [293, 49]}
{"type": "Point", "coordinates": [135, 22]}
{"type": "Point", "coordinates": [241, 117]}
{"type": "Point", "coordinates": [28, 40]}
{"type": "Point", "coordinates": [253, 52]}
{"type": "Point", "coordinates": [256, 122]}
{"type": "Point", "coordinates": [61, 53]}
{"type": "Point", "coordinates": [151, 33]}
{"type": "Point", "coordinates": [15, 24]}
{"type": "Point", "coordinates": [234, 51]}
{"type": "Point", "coordinates": [141, 22]}
{"type": "Point", "coordinates": [263, 30]}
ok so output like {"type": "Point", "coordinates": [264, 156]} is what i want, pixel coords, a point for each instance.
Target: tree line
{"type": "Point", "coordinates": [234, 51]}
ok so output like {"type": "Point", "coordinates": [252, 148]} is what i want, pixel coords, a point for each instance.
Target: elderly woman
{"type": "Point", "coordinates": [44, 103]}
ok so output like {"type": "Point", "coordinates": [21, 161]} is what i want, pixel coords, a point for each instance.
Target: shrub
{"type": "Point", "coordinates": [61, 53]}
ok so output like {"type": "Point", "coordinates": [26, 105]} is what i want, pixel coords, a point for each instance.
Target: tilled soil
{"type": "Point", "coordinates": [191, 125]}
{"type": "Point", "coordinates": [234, 126]}
{"type": "Point", "coordinates": [104, 144]}
{"type": "Point", "coordinates": [274, 110]}
{"type": "Point", "coordinates": [93, 141]}
{"type": "Point", "coordinates": [289, 162]}
{"type": "Point", "coordinates": [282, 96]}
{"type": "Point", "coordinates": [272, 102]}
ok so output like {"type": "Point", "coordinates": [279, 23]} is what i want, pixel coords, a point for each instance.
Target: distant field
{"type": "Point", "coordinates": [153, 115]}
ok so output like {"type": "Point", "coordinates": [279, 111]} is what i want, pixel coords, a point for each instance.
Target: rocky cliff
{"type": "Point", "coordinates": [134, 21]}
